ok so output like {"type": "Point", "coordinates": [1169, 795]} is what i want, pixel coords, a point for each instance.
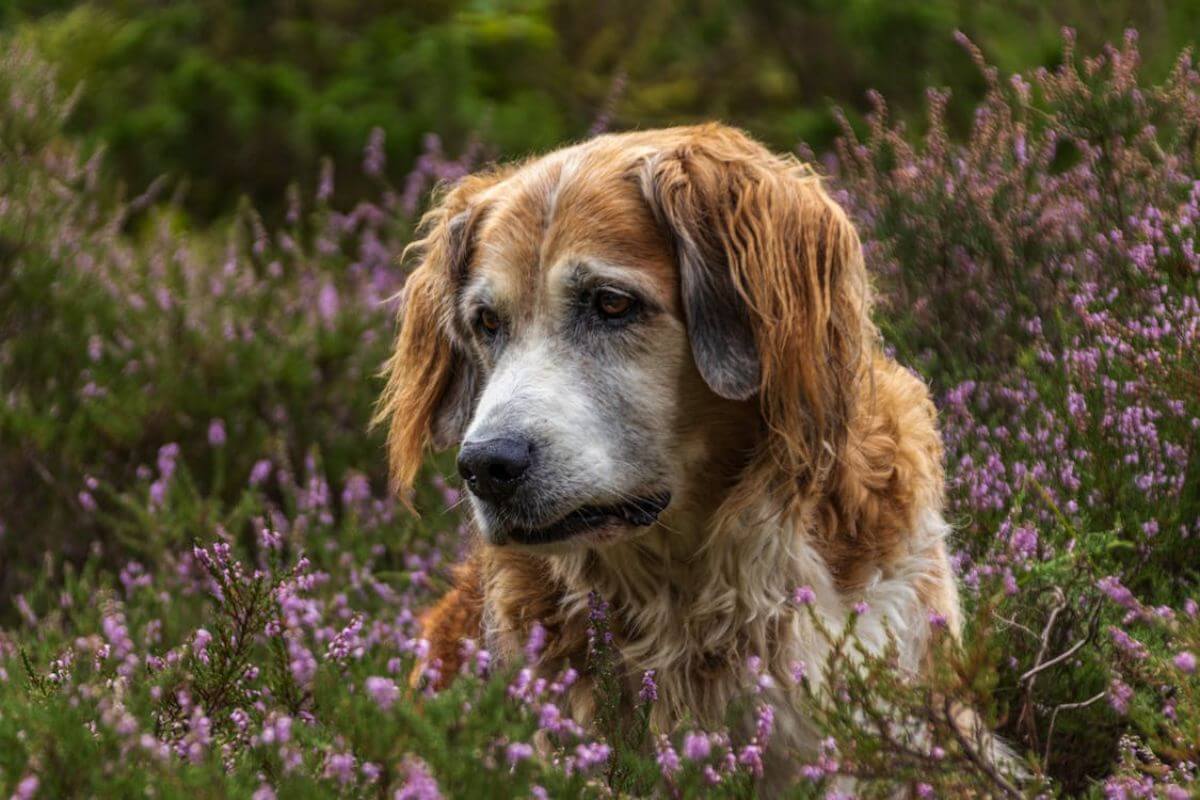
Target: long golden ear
{"type": "Point", "coordinates": [430, 389]}
{"type": "Point", "coordinates": [774, 288]}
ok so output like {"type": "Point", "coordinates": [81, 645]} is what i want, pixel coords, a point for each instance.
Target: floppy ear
{"type": "Point", "coordinates": [431, 384]}
{"type": "Point", "coordinates": [773, 285]}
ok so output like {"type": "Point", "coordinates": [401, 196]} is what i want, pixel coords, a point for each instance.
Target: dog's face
{"type": "Point", "coordinates": [572, 326]}
{"type": "Point", "coordinates": [586, 329]}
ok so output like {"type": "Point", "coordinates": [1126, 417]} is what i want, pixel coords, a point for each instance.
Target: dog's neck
{"type": "Point", "coordinates": [723, 541]}
{"type": "Point", "coordinates": [697, 596]}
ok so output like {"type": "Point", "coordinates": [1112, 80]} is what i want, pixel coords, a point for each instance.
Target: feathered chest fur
{"type": "Point", "coordinates": [717, 623]}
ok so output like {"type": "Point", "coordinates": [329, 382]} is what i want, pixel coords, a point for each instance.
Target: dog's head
{"type": "Point", "coordinates": [626, 325]}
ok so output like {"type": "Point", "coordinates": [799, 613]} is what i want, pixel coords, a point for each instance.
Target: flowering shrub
{"type": "Point", "coordinates": [207, 587]}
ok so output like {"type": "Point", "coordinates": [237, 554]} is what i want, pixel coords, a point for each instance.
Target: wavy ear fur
{"type": "Point", "coordinates": [774, 288]}
{"type": "Point", "coordinates": [431, 385]}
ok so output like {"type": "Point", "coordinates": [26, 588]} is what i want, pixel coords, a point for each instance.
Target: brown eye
{"type": "Point", "coordinates": [613, 304]}
{"type": "Point", "coordinates": [489, 322]}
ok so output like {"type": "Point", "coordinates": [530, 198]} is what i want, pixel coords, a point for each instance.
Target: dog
{"type": "Point", "coordinates": [655, 352]}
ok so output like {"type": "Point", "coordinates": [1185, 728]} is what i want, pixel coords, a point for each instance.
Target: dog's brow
{"type": "Point", "coordinates": [478, 292]}
{"type": "Point", "coordinates": [581, 271]}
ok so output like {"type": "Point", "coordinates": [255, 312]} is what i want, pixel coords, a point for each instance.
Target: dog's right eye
{"type": "Point", "coordinates": [614, 306]}
{"type": "Point", "coordinates": [488, 322]}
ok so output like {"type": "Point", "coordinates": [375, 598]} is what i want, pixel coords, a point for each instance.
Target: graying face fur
{"type": "Point", "coordinates": [571, 435]}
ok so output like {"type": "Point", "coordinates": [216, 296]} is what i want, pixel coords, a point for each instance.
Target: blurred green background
{"type": "Point", "coordinates": [229, 97]}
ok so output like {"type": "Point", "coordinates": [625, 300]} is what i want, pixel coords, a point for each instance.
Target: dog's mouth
{"type": "Point", "coordinates": [639, 513]}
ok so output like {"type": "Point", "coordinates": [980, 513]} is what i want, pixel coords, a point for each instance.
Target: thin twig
{"type": "Point", "coordinates": [1058, 659]}
{"type": "Point", "coordinates": [1054, 718]}
{"type": "Point", "coordinates": [1013, 623]}
{"type": "Point", "coordinates": [1027, 709]}
{"type": "Point", "coordinates": [1060, 602]}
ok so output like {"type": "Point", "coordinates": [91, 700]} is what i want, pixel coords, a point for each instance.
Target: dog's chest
{"type": "Point", "coordinates": [717, 637]}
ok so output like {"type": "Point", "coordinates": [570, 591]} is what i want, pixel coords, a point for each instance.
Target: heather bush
{"type": "Point", "coordinates": [207, 588]}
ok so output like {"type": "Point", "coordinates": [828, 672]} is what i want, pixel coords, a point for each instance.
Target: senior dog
{"type": "Point", "coordinates": [655, 352]}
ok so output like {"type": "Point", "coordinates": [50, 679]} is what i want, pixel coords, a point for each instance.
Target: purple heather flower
{"type": "Point", "coordinates": [764, 722]}
{"type": "Point", "coordinates": [696, 746]}
{"type": "Point", "coordinates": [26, 788]}
{"type": "Point", "coordinates": [347, 643]}
{"type": "Point", "coordinates": [270, 540]}
{"type": "Point", "coordinates": [260, 471]}
{"type": "Point", "coordinates": [517, 752]}
{"type": "Point", "coordinates": [277, 728]}
{"type": "Point", "coordinates": [1117, 592]}
{"type": "Point", "coordinates": [1119, 695]}
{"type": "Point", "coordinates": [590, 755]}
{"type": "Point", "coordinates": [374, 159]}
{"type": "Point", "coordinates": [325, 184]}
{"type": "Point", "coordinates": [200, 642]}
{"type": "Point", "coordinates": [117, 635]}
{"type": "Point", "coordinates": [483, 662]}
{"type": "Point", "coordinates": [383, 691]}
{"type": "Point", "coordinates": [804, 595]}
{"type": "Point", "coordinates": [356, 491]}
{"type": "Point", "coordinates": [216, 433]}
{"type": "Point", "coordinates": [667, 758]}
{"type": "Point", "coordinates": [1127, 643]}
{"type": "Point", "coordinates": [1185, 662]}
{"type": "Point", "coordinates": [168, 454]}
{"type": "Point", "coordinates": [649, 690]}
{"type": "Point", "coordinates": [750, 756]}
{"type": "Point", "coordinates": [535, 643]}
{"type": "Point", "coordinates": [549, 717]}
{"type": "Point", "coordinates": [25, 610]}
{"type": "Point", "coordinates": [328, 302]}
{"type": "Point", "coordinates": [158, 493]}
{"type": "Point", "coordinates": [1024, 542]}
{"type": "Point", "coordinates": [341, 766]}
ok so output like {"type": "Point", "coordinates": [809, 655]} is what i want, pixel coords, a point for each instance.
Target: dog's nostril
{"type": "Point", "coordinates": [506, 470]}
{"type": "Point", "coordinates": [465, 467]}
{"type": "Point", "coordinates": [493, 468]}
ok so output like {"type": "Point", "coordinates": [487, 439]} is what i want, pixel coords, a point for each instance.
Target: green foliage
{"type": "Point", "coordinates": [236, 98]}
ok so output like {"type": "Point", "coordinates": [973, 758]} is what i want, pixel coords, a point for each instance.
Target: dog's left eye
{"type": "Point", "coordinates": [614, 305]}
{"type": "Point", "coordinates": [488, 322]}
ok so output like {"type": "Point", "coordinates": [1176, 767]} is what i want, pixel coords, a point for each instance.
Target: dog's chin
{"type": "Point", "coordinates": [587, 525]}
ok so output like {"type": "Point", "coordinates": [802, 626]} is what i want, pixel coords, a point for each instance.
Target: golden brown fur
{"type": "Point", "coordinates": [829, 472]}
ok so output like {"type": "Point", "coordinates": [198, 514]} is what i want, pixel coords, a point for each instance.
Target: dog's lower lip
{"type": "Point", "coordinates": [640, 512]}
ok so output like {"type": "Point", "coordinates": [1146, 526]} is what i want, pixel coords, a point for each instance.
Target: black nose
{"type": "Point", "coordinates": [494, 468]}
